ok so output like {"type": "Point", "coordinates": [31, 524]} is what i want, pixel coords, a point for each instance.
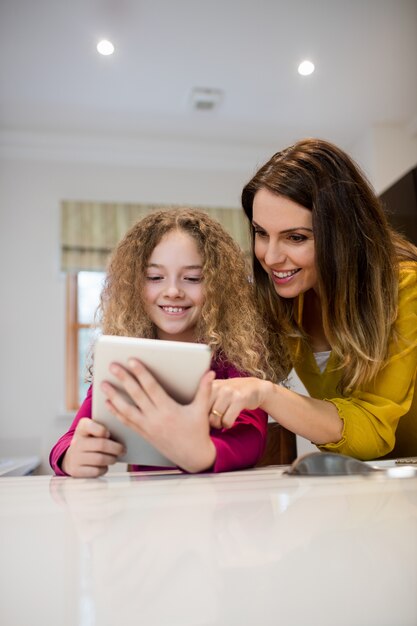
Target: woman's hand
{"type": "Point", "coordinates": [315, 420]}
{"type": "Point", "coordinates": [230, 396]}
{"type": "Point", "coordinates": [91, 451]}
{"type": "Point", "coordinates": [179, 432]}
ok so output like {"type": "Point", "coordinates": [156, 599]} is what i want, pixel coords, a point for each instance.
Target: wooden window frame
{"type": "Point", "coordinates": [72, 331]}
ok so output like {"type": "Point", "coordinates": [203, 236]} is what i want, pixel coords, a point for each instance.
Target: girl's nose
{"type": "Point", "coordinates": [173, 291]}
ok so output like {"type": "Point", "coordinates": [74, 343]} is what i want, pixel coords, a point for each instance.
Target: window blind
{"type": "Point", "coordinates": [90, 230]}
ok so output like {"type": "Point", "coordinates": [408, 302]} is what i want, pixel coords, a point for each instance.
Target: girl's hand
{"type": "Point", "coordinates": [179, 432]}
{"type": "Point", "coordinates": [229, 397]}
{"type": "Point", "coordinates": [91, 451]}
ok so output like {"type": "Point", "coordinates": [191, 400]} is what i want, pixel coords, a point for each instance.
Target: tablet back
{"type": "Point", "coordinates": [178, 366]}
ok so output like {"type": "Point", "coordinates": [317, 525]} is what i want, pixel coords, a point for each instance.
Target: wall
{"type": "Point", "coordinates": [386, 152]}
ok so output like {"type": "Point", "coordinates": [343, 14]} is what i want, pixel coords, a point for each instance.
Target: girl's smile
{"type": "Point", "coordinates": [174, 310]}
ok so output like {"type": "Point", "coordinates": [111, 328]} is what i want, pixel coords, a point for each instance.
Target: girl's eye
{"type": "Point", "coordinates": [193, 279]}
{"type": "Point", "coordinates": [154, 278]}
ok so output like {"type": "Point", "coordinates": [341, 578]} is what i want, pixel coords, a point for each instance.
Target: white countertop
{"type": "Point", "coordinates": [253, 548]}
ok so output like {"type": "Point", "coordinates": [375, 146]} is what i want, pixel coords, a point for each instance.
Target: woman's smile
{"type": "Point", "coordinates": [281, 278]}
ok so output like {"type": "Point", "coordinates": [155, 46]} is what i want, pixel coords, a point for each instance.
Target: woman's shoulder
{"type": "Point", "coordinates": [407, 290]}
{"type": "Point", "coordinates": [407, 275]}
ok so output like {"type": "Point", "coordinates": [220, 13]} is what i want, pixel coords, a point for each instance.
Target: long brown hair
{"type": "Point", "coordinates": [357, 255]}
{"type": "Point", "coordinates": [229, 323]}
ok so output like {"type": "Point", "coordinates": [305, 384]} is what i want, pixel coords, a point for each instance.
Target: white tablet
{"type": "Point", "coordinates": [177, 365]}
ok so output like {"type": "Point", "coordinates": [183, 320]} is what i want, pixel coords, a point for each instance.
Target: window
{"type": "Point", "coordinates": [89, 232]}
{"type": "Point", "coordinates": [83, 293]}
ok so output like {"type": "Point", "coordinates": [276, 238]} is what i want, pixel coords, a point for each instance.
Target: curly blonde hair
{"type": "Point", "coordinates": [229, 322]}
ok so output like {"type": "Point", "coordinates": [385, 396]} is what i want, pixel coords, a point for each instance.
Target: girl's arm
{"type": "Point", "coordinates": [63, 443]}
{"type": "Point", "coordinates": [179, 432]}
{"type": "Point", "coordinates": [182, 432]}
{"type": "Point", "coordinates": [84, 451]}
{"type": "Point", "coordinates": [243, 445]}
{"type": "Point", "coordinates": [91, 451]}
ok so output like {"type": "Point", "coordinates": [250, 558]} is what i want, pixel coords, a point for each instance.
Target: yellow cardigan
{"type": "Point", "coordinates": [380, 418]}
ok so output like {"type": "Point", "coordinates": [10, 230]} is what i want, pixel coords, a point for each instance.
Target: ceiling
{"type": "Point", "coordinates": [53, 80]}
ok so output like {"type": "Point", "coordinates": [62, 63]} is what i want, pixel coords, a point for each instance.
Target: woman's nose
{"type": "Point", "coordinates": [274, 254]}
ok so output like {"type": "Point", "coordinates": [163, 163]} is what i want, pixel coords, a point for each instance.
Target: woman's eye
{"type": "Point", "coordinates": [296, 238]}
{"type": "Point", "coordinates": [259, 232]}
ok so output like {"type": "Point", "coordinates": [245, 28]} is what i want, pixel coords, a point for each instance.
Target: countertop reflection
{"type": "Point", "coordinates": [245, 548]}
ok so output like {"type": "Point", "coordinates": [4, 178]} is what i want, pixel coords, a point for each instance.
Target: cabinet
{"type": "Point", "coordinates": [400, 203]}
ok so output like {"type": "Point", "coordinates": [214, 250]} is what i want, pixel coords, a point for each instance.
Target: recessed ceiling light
{"type": "Point", "coordinates": [105, 47]}
{"type": "Point", "coordinates": [305, 68]}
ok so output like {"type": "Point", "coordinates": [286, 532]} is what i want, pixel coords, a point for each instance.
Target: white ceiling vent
{"type": "Point", "coordinates": [205, 98]}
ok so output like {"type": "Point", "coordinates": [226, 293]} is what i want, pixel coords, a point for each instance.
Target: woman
{"type": "Point", "coordinates": [337, 290]}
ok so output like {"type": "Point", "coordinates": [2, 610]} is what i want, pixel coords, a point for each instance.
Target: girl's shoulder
{"type": "Point", "coordinates": [224, 369]}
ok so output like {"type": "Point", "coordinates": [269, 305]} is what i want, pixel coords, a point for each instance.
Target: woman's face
{"type": "Point", "coordinates": [173, 287]}
{"type": "Point", "coordinates": [284, 243]}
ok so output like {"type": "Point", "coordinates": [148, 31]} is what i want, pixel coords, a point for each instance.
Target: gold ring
{"type": "Point", "coordinates": [216, 413]}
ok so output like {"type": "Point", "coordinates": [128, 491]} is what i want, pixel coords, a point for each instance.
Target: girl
{"type": "Point", "coordinates": [176, 275]}
{"type": "Point", "coordinates": [337, 290]}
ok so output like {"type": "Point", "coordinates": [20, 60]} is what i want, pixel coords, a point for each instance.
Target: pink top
{"type": "Point", "coordinates": [237, 447]}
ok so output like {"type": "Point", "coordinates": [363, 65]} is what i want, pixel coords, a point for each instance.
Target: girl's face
{"type": "Point", "coordinates": [284, 243]}
{"type": "Point", "coordinates": [173, 287]}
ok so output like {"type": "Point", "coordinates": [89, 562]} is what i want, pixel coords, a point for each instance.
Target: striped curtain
{"type": "Point", "coordinates": [90, 230]}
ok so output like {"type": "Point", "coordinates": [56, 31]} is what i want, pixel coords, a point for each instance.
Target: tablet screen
{"type": "Point", "coordinates": [178, 367]}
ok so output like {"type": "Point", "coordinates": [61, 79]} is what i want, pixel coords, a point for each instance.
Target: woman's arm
{"type": "Point", "coordinates": [316, 420]}
{"type": "Point", "coordinates": [362, 424]}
